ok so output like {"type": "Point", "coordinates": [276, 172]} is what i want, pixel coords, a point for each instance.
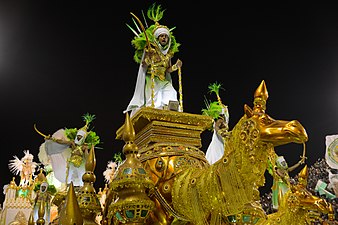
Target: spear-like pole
{"type": "Point", "coordinates": [180, 88]}
{"type": "Point", "coordinates": [152, 77]}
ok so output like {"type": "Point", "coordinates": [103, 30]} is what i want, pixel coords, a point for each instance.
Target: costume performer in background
{"type": "Point", "coordinates": [219, 112]}
{"type": "Point", "coordinates": [42, 195]}
{"type": "Point", "coordinates": [279, 170]}
{"type": "Point", "coordinates": [66, 151]}
{"type": "Point", "coordinates": [155, 47]}
{"type": "Point", "coordinates": [25, 167]}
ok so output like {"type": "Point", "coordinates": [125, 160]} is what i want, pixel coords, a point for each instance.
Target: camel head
{"type": "Point", "coordinates": [277, 132]}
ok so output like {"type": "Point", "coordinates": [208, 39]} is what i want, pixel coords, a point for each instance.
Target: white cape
{"type": "Point", "coordinates": [215, 149]}
{"type": "Point", "coordinates": [58, 155]}
{"type": "Point", "coordinates": [163, 91]}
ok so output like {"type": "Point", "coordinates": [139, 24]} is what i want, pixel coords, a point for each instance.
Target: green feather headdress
{"type": "Point", "coordinates": [155, 13]}
{"type": "Point", "coordinates": [139, 42]}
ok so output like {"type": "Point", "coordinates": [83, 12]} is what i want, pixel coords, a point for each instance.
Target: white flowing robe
{"type": "Point", "coordinates": [215, 149]}
{"type": "Point", "coordinates": [163, 90]}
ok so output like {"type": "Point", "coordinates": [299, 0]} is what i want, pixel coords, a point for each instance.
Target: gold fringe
{"type": "Point", "coordinates": [216, 218]}
{"type": "Point", "coordinates": [197, 209]}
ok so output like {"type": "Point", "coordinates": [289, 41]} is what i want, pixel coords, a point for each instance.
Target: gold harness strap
{"type": "Point", "coordinates": [167, 207]}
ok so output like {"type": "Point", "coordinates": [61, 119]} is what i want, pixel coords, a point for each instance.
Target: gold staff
{"type": "Point", "coordinates": [180, 88]}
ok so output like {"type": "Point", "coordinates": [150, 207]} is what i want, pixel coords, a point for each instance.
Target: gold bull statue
{"type": "Point", "coordinates": [190, 191]}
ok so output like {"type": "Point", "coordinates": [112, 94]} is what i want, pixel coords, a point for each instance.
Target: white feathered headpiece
{"type": "Point", "coordinates": [16, 165]}
{"type": "Point", "coordinates": [109, 172]}
{"type": "Point", "coordinates": [27, 156]}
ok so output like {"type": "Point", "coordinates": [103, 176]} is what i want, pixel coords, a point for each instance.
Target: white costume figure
{"type": "Point", "coordinates": [25, 166]}
{"type": "Point", "coordinates": [109, 172]}
{"type": "Point", "coordinates": [333, 185]}
{"type": "Point", "coordinates": [215, 149]}
{"type": "Point", "coordinates": [66, 151]}
{"type": "Point", "coordinates": [59, 150]}
{"type": "Point", "coordinates": [157, 62]}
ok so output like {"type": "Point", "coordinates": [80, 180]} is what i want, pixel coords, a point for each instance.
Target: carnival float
{"type": "Point", "coordinates": [161, 176]}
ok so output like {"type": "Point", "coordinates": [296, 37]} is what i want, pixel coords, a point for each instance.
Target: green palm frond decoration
{"type": "Point", "coordinates": [214, 88]}
{"type": "Point", "coordinates": [155, 12]}
{"type": "Point", "coordinates": [88, 118]}
{"type": "Point", "coordinates": [71, 133]}
{"type": "Point", "coordinates": [213, 109]}
{"type": "Point", "coordinates": [92, 139]}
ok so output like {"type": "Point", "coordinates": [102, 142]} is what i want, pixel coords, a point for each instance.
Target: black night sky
{"type": "Point", "coordinates": [60, 60]}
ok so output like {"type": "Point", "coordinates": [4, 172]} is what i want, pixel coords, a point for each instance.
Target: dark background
{"type": "Point", "coordinates": [60, 60]}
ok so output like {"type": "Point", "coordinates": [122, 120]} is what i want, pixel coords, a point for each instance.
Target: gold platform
{"type": "Point", "coordinates": [164, 126]}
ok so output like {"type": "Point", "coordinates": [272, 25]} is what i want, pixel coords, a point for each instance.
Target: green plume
{"type": "Point", "coordinates": [88, 118]}
{"type": "Point", "coordinates": [155, 12]}
{"type": "Point", "coordinates": [214, 88]}
{"type": "Point", "coordinates": [213, 109]}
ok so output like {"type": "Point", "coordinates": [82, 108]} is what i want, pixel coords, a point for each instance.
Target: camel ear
{"type": "Point", "coordinates": [248, 111]}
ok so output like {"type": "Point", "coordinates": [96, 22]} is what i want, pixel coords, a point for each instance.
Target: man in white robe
{"type": "Point", "coordinates": [156, 64]}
